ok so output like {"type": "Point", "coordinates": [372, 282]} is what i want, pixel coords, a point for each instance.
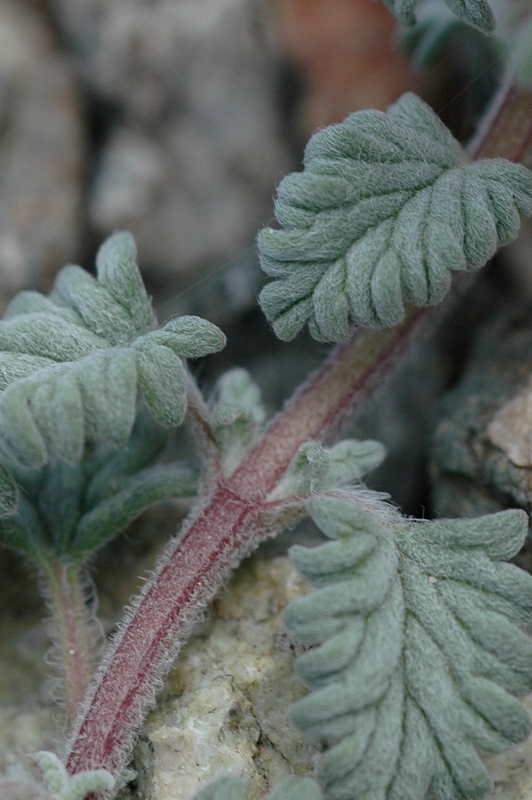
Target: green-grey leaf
{"type": "Point", "coordinates": [71, 363]}
{"type": "Point", "coordinates": [96, 306]}
{"type": "Point", "coordinates": [58, 501]}
{"type": "Point", "coordinates": [163, 381]}
{"type": "Point", "coordinates": [117, 270]}
{"type": "Point", "coordinates": [419, 659]}
{"type": "Point", "coordinates": [48, 336]}
{"type": "Point", "coordinates": [63, 786]}
{"type": "Point", "coordinates": [238, 397]}
{"type": "Point", "coordinates": [350, 459]}
{"type": "Point", "coordinates": [29, 302]}
{"type": "Point", "coordinates": [107, 383]}
{"type": "Point", "coordinates": [476, 13]}
{"type": "Point", "coordinates": [190, 337]}
{"type": "Point", "coordinates": [8, 493]}
{"type": "Point", "coordinates": [23, 531]}
{"type": "Point", "coordinates": [229, 787]}
{"type": "Point", "coordinates": [315, 468]}
{"type": "Point", "coordinates": [238, 415]}
{"type": "Point", "coordinates": [386, 209]}
{"type": "Point", "coordinates": [434, 25]}
{"type": "Point", "coordinates": [133, 496]}
{"type": "Point", "coordinates": [296, 789]}
{"type": "Point", "coordinates": [18, 365]}
{"type": "Point", "coordinates": [108, 466]}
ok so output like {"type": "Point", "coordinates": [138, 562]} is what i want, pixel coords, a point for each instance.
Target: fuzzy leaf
{"type": "Point", "coordinates": [8, 493]}
{"type": "Point", "coordinates": [71, 363]}
{"type": "Point", "coordinates": [434, 25]}
{"type": "Point", "coordinates": [72, 509]}
{"type": "Point", "coordinates": [229, 787]}
{"type": "Point", "coordinates": [71, 787]}
{"type": "Point", "coordinates": [476, 13]}
{"type": "Point", "coordinates": [133, 496]}
{"type": "Point", "coordinates": [190, 337]}
{"type": "Point", "coordinates": [108, 467]}
{"type": "Point", "coordinates": [386, 209]}
{"type": "Point", "coordinates": [419, 658]}
{"type": "Point", "coordinates": [117, 271]}
{"type": "Point", "coordinates": [24, 532]}
{"type": "Point", "coordinates": [162, 379]}
{"type": "Point", "coordinates": [296, 789]}
{"type": "Point", "coordinates": [315, 468]}
{"type": "Point", "coordinates": [238, 415]}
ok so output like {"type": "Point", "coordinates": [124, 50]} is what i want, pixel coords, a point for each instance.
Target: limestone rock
{"type": "Point", "coordinates": [481, 453]}
{"type": "Point", "coordinates": [191, 164]}
{"type": "Point", "coordinates": [41, 153]}
{"type": "Point", "coordinates": [22, 790]}
{"type": "Point", "coordinates": [224, 705]}
{"type": "Point", "coordinates": [512, 772]}
{"type": "Point", "coordinates": [511, 428]}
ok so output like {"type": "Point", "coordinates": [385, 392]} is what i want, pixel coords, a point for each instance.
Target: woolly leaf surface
{"type": "Point", "coordinates": [8, 493]}
{"type": "Point", "coordinates": [423, 42]}
{"type": "Point", "coordinates": [386, 209]}
{"type": "Point", "coordinates": [23, 531]}
{"type": "Point", "coordinates": [133, 496]}
{"type": "Point", "coordinates": [107, 467]}
{"type": "Point", "coordinates": [315, 468]}
{"type": "Point", "coordinates": [419, 661]}
{"type": "Point", "coordinates": [238, 415]}
{"type": "Point", "coordinates": [72, 509]}
{"type": "Point", "coordinates": [476, 13]}
{"type": "Point", "coordinates": [229, 787]}
{"type": "Point", "coordinates": [62, 786]}
{"type": "Point", "coordinates": [71, 364]}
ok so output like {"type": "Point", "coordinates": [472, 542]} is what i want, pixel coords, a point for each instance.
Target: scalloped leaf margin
{"type": "Point", "coordinates": [387, 207]}
{"type": "Point", "coordinates": [230, 787]}
{"type": "Point", "coordinates": [477, 13]}
{"type": "Point", "coordinates": [71, 364]}
{"type": "Point", "coordinates": [419, 658]}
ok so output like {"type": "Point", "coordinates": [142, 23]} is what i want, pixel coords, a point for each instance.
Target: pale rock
{"type": "Point", "coordinates": [224, 707]}
{"type": "Point", "coordinates": [512, 771]}
{"type": "Point", "coordinates": [191, 163]}
{"type": "Point", "coordinates": [41, 152]}
{"type": "Point", "coordinates": [511, 428]}
{"type": "Point", "coordinates": [482, 443]}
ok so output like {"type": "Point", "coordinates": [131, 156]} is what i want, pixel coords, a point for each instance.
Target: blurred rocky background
{"type": "Point", "coordinates": [176, 119]}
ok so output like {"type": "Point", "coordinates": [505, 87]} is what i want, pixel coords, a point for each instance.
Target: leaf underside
{"type": "Point", "coordinates": [476, 13]}
{"type": "Point", "coordinates": [71, 364]}
{"type": "Point", "coordinates": [387, 207]}
{"type": "Point", "coordinates": [73, 509]}
{"type": "Point", "coordinates": [419, 659]}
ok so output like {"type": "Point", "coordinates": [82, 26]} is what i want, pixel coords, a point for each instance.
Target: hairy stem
{"type": "Point", "coordinates": [225, 529]}
{"type": "Point", "coordinates": [228, 525]}
{"type": "Point", "coordinates": [72, 634]}
{"type": "Point", "coordinates": [200, 424]}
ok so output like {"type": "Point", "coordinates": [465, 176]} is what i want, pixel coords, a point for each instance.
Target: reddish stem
{"type": "Point", "coordinates": [215, 540]}
{"type": "Point", "coordinates": [228, 526]}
